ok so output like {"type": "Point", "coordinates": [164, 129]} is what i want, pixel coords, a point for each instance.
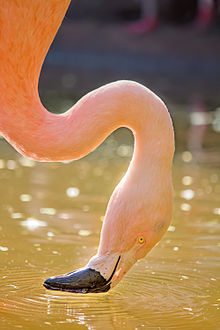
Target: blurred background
{"type": "Point", "coordinates": [51, 213]}
{"type": "Point", "coordinates": [99, 42]}
{"type": "Point", "coordinates": [171, 47]}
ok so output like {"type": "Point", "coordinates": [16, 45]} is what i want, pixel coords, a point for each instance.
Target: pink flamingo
{"type": "Point", "coordinates": [140, 208]}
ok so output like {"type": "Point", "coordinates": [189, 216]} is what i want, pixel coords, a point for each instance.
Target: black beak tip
{"type": "Point", "coordinates": [82, 281]}
{"type": "Point", "coordinates": [48, 284]}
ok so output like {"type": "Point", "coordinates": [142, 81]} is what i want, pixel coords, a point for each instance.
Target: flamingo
{"type": "Point", "coordinates": [140, 208]}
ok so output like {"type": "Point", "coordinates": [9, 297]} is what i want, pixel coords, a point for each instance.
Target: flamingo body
{"type": "Point", "coordinates": [140, 208]}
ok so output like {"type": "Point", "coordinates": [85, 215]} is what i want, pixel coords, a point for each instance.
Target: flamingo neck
{"type": "Point", "coordinates": [26, 32]}
{"type": "Point", "coordinates": [26, 35]}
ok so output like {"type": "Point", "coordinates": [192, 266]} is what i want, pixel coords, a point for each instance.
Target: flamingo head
{"type": "Point", "coordinates": [124, 240]}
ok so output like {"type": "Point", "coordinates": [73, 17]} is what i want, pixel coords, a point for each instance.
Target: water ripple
{"type": "Point", "coordinates": [176, 300]}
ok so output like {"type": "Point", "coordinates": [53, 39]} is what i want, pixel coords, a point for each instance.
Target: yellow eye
{"type": "Point", "coordinates": [141, 240]}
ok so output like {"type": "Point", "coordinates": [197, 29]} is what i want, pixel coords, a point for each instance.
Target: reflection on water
{"type": "Point", "coordinates": [51, 215]}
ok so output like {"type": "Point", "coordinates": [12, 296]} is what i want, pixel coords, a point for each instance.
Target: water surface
{"type": "Point", "coordinates": [50, 220]}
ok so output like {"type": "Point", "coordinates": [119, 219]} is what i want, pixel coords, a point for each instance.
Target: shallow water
{"type": "Point", "coordinates": [50, 220]}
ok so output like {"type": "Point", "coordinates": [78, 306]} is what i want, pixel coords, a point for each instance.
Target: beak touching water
{"type": "Point", "coordinates": [101, 273]}
{"type": "Point", "coordinates": [96, 277]}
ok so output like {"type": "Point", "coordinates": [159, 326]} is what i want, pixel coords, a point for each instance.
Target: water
{"type": "Point", "coordinates": [50, 220]}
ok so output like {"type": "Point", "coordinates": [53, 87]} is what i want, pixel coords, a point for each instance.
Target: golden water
{"type": "Point", "coordinates": [50, 220]}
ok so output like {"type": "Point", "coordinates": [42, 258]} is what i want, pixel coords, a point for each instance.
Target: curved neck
{"type": "Point", "coordinates": [27, 31]}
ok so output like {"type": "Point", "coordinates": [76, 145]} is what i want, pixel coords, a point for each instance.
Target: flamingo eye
{"type": "Point", "coordinates": [141, 240]}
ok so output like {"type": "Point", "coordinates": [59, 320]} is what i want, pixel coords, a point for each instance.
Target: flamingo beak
{"type": "Point", "coordinates": [81, 281]}
{"type": "Point", "coordinates": [86, 280]}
